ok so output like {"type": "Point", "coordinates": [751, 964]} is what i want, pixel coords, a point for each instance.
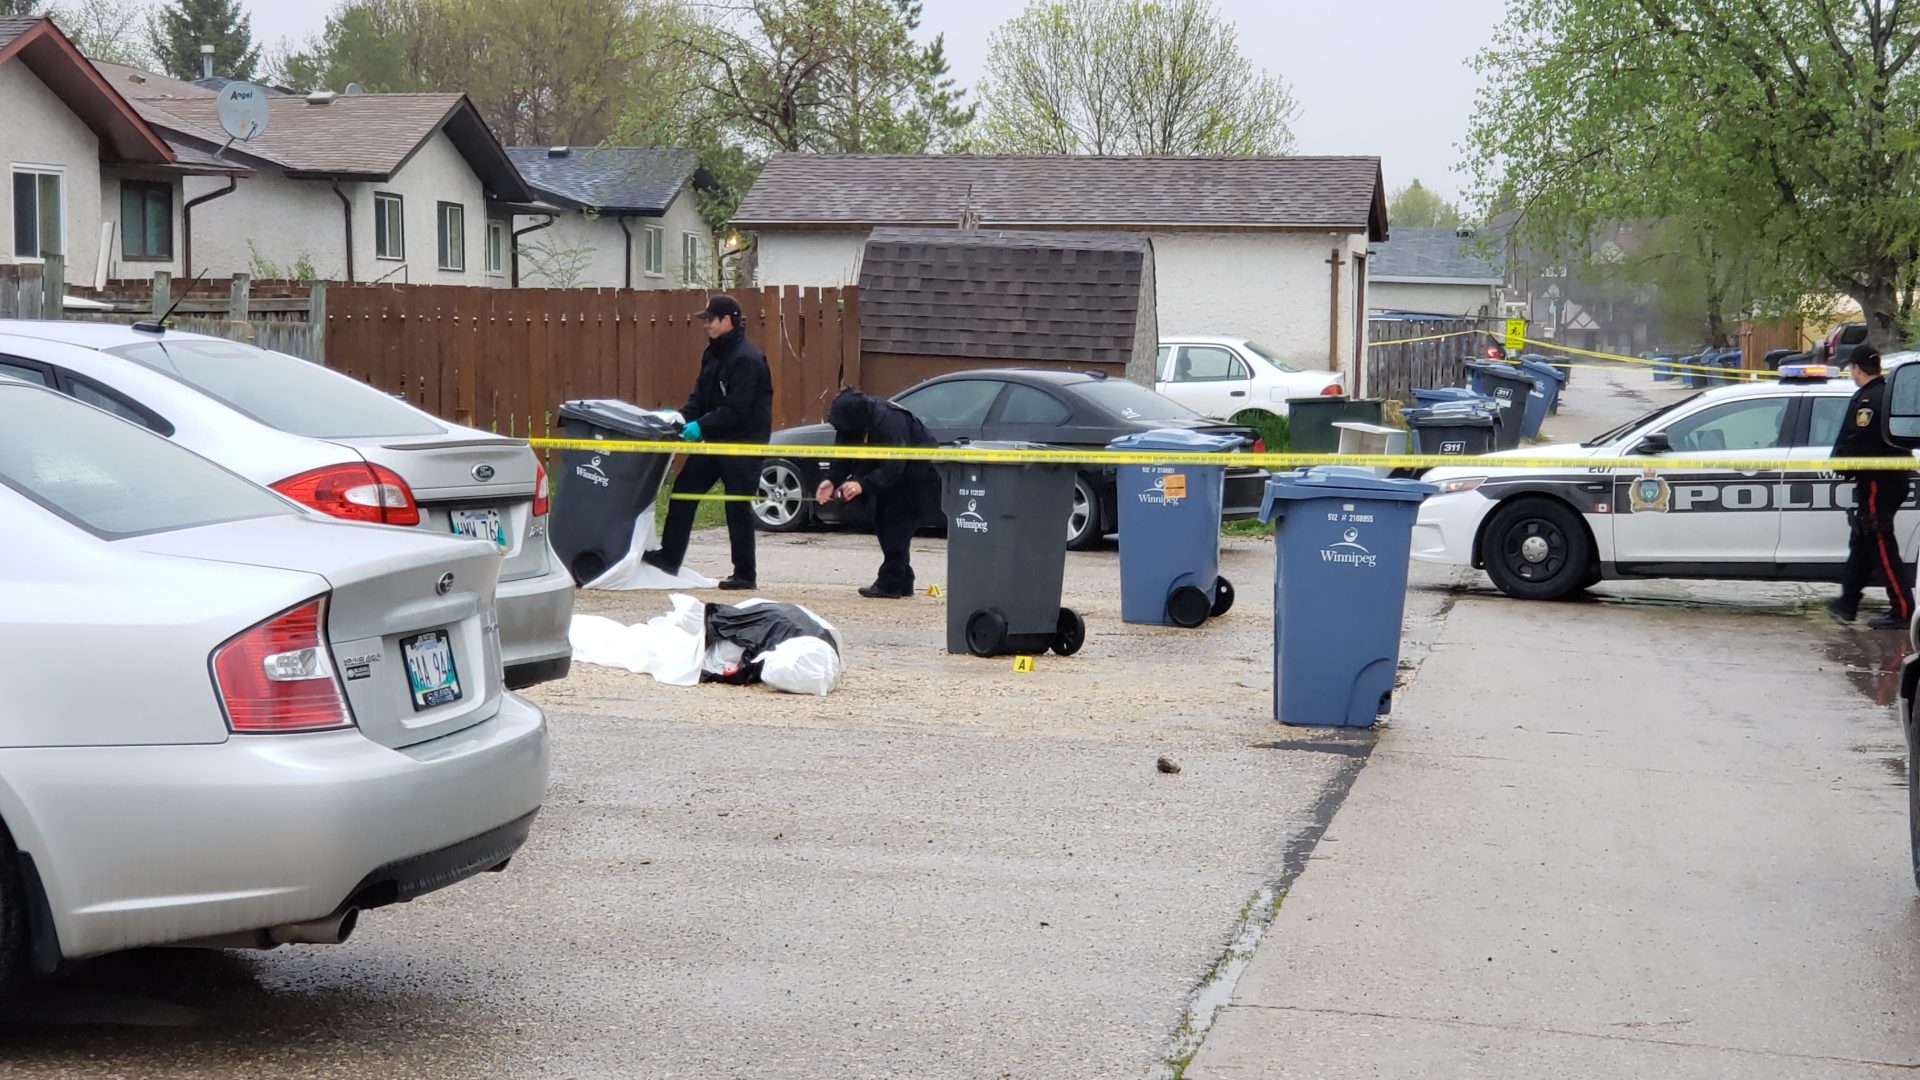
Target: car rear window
{"type": "Point", "coordinates": [1131, 401]}
{"type": "Point", "coordinates": [112, 478]}
{"type": "Point", "coordinates": [283, 392]}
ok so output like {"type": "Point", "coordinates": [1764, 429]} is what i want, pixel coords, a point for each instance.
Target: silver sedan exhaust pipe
{"type": "Point", "coordinates": [331, 930]}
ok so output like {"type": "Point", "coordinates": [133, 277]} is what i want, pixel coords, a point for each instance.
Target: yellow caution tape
{"type": "Point", "coordinates": [1430, 337]}
{"type": "Point", "coordinates": [1741, 374]}
{"type": "Point", "coordinates": [1668, 463]}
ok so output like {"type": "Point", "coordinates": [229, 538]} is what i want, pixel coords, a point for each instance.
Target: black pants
{"type": "Point", "coordinates": [896, 517]}
{"type": "Point", "coordinates": [739, 476]}
{"type": "Point", "coordinates": [1873, 549]}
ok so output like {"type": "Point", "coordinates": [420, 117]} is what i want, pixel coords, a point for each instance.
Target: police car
{"type": "Point", "coordinates": [1542, 534]}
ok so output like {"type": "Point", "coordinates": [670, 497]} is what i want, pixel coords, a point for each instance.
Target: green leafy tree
{"type": "Point", "coordinates": [20, 8]}
{"type": "Point", "coordinates": [1784, 129]}
{"type": "Point", "coordinates": [1420, 207]}
{"type": "Point", "coordinates": [1128, 77]}
{"type": "Point", "coordinates": [830, 76]}
{"type": "Point", "coordinates": [176, 32]}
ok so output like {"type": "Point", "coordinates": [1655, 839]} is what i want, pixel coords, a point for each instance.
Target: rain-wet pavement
{"type": "Point", "coordinates": [1658, 832]}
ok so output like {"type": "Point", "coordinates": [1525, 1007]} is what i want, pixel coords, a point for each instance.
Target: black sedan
{"type": "Point", "coordinates": [1067, 409]}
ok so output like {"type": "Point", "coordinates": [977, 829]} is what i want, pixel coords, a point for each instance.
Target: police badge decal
{"type": "Point", "coordinates": [1650, 495]}
{"type": "Point", "coordinates": [1862, 417]}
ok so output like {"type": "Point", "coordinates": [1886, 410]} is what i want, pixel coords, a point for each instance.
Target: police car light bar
{"type": "Point", "coordinates": [1805, 373]}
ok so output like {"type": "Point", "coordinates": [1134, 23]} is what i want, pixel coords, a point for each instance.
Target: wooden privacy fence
{"type": "Point", "coordinates": [504, 359]}
{"type": "Point", "coordinates": [285, 316]}
{"type": "Point", "coordinates": [1395, 370]}
{"type": "Point", "coordinates": [24, 293]}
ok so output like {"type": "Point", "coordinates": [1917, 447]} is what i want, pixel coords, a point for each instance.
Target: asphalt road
{"type": "Point", "coordinates": [945, 869]}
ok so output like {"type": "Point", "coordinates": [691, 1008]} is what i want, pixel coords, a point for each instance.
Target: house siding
{"type": "Point", "coordinates": [40, 131]}
{"type": "Point", "coordinates": [825, 257]}
{"type": "Point", "coordinates": [278, 222]}
{"type": "Point", "coordinates": [1437, 298]}
{"type": "Point", "coordinates": [599, 248]}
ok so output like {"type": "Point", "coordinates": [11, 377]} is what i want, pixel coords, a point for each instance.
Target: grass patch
{"type": "Point", "coordinates": [1272, 429]}
{"type": "Point", "coordinates": [1248, 527]}
{"type": "Point", "coordinates": [710, 515]}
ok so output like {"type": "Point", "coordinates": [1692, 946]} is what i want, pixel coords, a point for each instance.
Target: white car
{"type": "Point", "coordinates": [1542, 534]}
{"type": "Point", "coordinates": [228, 721]}
{"type": "Point", "coordinates": [330, 443]}
{"type": "Point", "coordinates": [1228, 377]}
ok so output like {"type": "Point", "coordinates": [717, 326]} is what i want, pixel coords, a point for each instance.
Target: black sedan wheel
{"type": "Point", "coordinates": [1083, 522]}
{"type": "Point", "coordinates": [1537, 549]}
{"type": "Point", "coordinates": [780, 505]}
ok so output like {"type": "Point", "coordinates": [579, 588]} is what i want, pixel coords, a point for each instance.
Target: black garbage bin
{"type": "Point", "coordinates": [1461, 429]}
{"type": "Point", "coordinates": [600, 498]}
{"type": "Point", "coordinates": [1007, 556]}
{"type": "Point", "coordinates": [1310, 421]}
{"type": "Point", "coordinates": [1512, 390]}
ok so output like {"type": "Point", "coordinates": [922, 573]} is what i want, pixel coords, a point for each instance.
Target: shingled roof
{"type": "Point", "coordinates": [641, 180]}
{"type": "Point", "coordinates": [1008, 295]}
{"type": "Point", "coordinates": [1343, 194]}
{"type": "Point", "coordinates": [360, 137]}
{"type": "Point", "coordinates": [1427, 255]}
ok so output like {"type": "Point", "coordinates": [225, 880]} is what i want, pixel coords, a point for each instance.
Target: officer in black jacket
{"type": "Point", "coordinates": [904, 492]}
{"type": "Point", "coordinates": [1877, 497]}
{"type": "Point", "coordinates": [732, 401]}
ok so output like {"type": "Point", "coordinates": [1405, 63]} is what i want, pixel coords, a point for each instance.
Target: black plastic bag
{"type": "Point", "coordinates": [757, 629]}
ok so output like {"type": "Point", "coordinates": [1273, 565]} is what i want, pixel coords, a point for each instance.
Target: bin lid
{"type": "Point", "coordinates": [1541, 367]}
{"type": "Point", "coordinates": [1343, 482]}
{"type": "Point", "coordinates": [1191, 442]}
{"type": "Point", "coordinates": [1365, 428]}
{"type": "Point", "coordinates": [622, 416]}
{"type": "Point", "coordinates": [1449, 417]}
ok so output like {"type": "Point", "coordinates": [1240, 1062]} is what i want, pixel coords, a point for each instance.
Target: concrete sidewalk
{"type": "Point", "coordinates": [1610, 839]}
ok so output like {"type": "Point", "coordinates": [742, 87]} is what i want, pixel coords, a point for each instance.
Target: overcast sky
{"type": "Point", "coordinates": [1384, 77]}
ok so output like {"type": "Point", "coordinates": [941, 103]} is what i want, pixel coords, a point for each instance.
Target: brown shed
{"type": "Point", "coordinates": [940, 300]}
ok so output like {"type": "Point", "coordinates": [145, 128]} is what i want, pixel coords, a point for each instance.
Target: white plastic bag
{"type": "Point", "coordinates": [669, 647]}
{"type": "Point", "coordinates": [802, 665]}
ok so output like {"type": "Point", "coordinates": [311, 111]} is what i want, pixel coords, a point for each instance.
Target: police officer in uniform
{"type": "Point", "coordinates": [732, 401]}
{"type": "Point", "coordinates": [904, 492]}
{"type": "Point", "coordinates": [1877, 497]}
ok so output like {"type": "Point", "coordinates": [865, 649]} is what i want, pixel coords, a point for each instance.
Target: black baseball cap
{"type": "Point", "coordinates": [719, 306]}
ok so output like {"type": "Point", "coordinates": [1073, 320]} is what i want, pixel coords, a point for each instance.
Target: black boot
{"type": "Point", "coordinates": [1842, 610]}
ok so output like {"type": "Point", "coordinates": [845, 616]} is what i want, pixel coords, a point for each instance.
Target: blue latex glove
{"type": "Point", "coordinates": [691, 432]}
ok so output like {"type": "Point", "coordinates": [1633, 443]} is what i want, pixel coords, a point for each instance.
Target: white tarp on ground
{"type": "Point", "coordinates": [631, 573]}
{"type": "Point", "coordinates": [673, 649]}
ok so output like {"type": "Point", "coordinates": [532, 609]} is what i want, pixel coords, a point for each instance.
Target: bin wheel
{"type": "Point", "coordinates": [987, 633]}
{"type": "Point", "coordinates": [1222, 597]}
{"type": "Point", "coordinates": [1072, 633]}
{"type": "Point", "coordinates": [1188, 606]}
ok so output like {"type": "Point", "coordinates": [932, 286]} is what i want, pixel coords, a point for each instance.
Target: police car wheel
{"type": "Point", "coordinates": [1913, 811]}
{"type": "Point", "coordinates": [1537, 550]}
{"type": "Point", "coordinates": [780, 504]}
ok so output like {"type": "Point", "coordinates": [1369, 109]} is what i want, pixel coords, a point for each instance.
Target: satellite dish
{"type": "Point", "coordinates": [243, 110]}
{"type": "Point", "coordinates": [354, 89]}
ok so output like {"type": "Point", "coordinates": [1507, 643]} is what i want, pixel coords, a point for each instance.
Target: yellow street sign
{"type": "Point", "coordinates": [1516, 335]}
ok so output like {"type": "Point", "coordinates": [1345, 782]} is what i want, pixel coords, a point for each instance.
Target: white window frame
{"type": "Point", "coordinates": [60, 176]}
{"type": "Point", "coordinates": [689, 255]}
{"type": "Point", "coordinates": [655, 254]}
{"type": "Point", "coordinates": [447, 237]}
{"type": "Point", "coordinates": [496, 254]}
{"type": "Point", "coordinates": [380, 201]}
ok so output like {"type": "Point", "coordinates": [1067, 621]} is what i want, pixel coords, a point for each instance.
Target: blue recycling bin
{"type": "Point", "coordinates": [1512, 390]}
{"type": "Point", "coordinates": [1170, 531]}
{"type": "Point", "coordinates": [1339, 591]}
{"type": "Point", "coordinates": [1438, 394]}
{"type": "Point", "coordinates": [1547, 381]}
{"type": "Point", "coordinates": [1661, 372]}
{"type": "Point", "coordinates": [1732, 361]}
{"type": "Point", "coordinates": [1691, 373]}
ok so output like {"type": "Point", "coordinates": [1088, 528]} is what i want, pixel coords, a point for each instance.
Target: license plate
{"type": "Point", "coordinates": [482, 525]}
{"type": "Point", "coordinates": [430, 671]}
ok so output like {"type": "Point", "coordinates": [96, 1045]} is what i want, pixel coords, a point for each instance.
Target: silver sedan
{"type": "Point", "coordinates": [329, 442]}
{"type": "Point", "coordinates": [229, 721]}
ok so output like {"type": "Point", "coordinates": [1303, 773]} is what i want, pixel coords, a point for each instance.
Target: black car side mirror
{"type": "Point", "coordinates": [1656, 443]}
{"type": "Point", "coordinates": [1903, 406]}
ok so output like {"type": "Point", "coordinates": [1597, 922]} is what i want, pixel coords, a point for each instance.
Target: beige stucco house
{"type": "Point", "coordinates": [1435, 271]}
{"type": "Point", "coordinates": [1273, 249]}
{"type": "Point", "coordinates": [620, 217]}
